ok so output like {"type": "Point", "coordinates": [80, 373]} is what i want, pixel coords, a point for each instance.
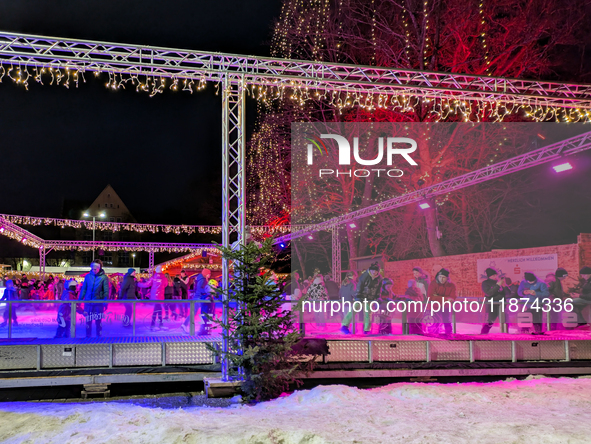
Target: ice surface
{"type": "Point", "coordinates": [537, 410]}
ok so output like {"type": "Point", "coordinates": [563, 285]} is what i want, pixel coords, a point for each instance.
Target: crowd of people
{"type": "Point", "coordinates": [372, 285]}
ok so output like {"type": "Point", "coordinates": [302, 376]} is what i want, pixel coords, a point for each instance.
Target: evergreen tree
{"type": "Point", "coordinates": [261, 334]}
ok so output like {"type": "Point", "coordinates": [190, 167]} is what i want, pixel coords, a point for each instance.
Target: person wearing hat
{"type": "Point", "coordinates": [554, 282]}
{"type": "Point", "coordinates": [346, 294]}
{"type": "Point", "coordinates": [157, 284]}
{"type": "Point", "coordinates": [414, 293]}
{"type": "Point", "coordinates": [422, 281]}
{"type": "Point", "coordinates": [534, 290]}
{"type": "Point", "coordinates": [441, 290]}
{"type": "Point", "coordinates": [95, 288]}
{"type": "Point", "coordinates": [64, 312]}
{"type": "Point", "coordinates": [584, 297]}
{"type": "Point", "coordinates": [128, 292]}
{"type": "Point", "coordinates": [368, 289]}
{"type": "Point", "coordinates": [493, 289]}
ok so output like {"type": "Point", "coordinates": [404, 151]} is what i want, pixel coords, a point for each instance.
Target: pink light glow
{"type": "Point", "coordinates": [562, 167]}
{"type": "Point", "coordinates": [424, 205]}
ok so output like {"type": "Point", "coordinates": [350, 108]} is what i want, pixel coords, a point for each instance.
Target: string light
{"type": "Point", "coordinates": [135, 227]}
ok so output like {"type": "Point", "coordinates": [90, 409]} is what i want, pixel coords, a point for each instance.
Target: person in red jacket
{"type": "Point", "coordinates": [441, 290]}
{"type": "Point", "coordinates": [157, 283]}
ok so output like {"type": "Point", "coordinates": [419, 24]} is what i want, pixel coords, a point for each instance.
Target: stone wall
{"type": "Point", "coordinates": [463, 267]}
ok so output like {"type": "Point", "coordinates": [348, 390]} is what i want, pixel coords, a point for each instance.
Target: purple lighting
{"type": "Point", "coordinates": [562, 167]}
{"type": "Point", "coordinates": [424, 205]}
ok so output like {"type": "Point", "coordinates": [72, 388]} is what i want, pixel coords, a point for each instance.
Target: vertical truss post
{"type": "Point", "coordinates": [336, 255]}
{"type": "Point", "coordinates": [233, 196]}
{"type": "Point", "coordinates": [151, 261]}
{"type": "Point", "coordinates": [42, 254]}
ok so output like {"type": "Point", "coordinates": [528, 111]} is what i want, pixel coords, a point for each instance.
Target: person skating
{"type": "Point", "coordinates": [157, 283]}
{"type": "Point", "coordinates": [494, 290]}
{"type": "Point", "coordinates": [203, 292]}
{"type": "Point", "coordinates": [128, 292]}
{"type": "Point", "coordinates": [534, 290]}
{"type": "Point", "coordinates": [414, 314]}
{"type": "Point", "coordinates": [94, 288]}
{"type": "Point", "coordinates": [10, 294]}
{"type": "Point", "coordinates": [583, 298]}
{"type": "Point", "coordinates": [441, 290]}
{"type": "Point", "coordinates": [556, 292]}
{"type": "Point", "coordinates": [346, 294]}
{"type": "Point", "coordinates": [385, 327]}
{"type": "Point", "coordinates": [368, 289]}
{"type": "Point", "coordinates": [64, 312]}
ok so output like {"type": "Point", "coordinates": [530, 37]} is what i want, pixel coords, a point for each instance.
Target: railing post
{"type": "Point", "coordinates": [9, 319]}
{"type": "Point", "coordinates": [192, 319]}
{"type": "Point", "coordinates": [502, 320]}
{"type": "Point", "coordinates": [453, 322]}
{"type": "Point", "coordinates": [133, 315]}
{"type": "Point", "coordinates": [405, 321]}
{"type": "Point", "coordinates": [302, 324]}
{"type": "Point", "coordinates": [73, 319]}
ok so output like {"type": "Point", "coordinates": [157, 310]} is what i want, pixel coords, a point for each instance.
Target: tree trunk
{"type": "Point", "coordinates": [465, 225]}
{"type": "Point", "coordinates": [302, 266]}
{"type": "Point", "coordinates": [434, 243]}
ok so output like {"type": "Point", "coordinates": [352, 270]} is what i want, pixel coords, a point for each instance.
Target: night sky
{"type": "Point", "coordinates": [162, 154]}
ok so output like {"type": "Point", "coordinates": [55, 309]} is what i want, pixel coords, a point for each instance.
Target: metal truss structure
{"type": "Point", "coordinates": [533, 158]}
{"type": "Point", "coordinates": [236, 72]}
{"type": "Point", "coordinates": [21, 50]}
{"type": "Point", "coordinates": [131, 226]}
{"type": "Point", "coordinates": [19, 234]}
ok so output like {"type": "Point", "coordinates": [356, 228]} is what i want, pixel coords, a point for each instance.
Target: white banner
{"type": "Point", "coordinates": [514, 267]}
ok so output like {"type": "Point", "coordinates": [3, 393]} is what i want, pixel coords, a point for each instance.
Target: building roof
{"type": "Point", "coordinates": [109, 202]}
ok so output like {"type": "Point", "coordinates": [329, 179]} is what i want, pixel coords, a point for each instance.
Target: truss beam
{"type": "Point", "coordinates": [533, 158]}
{"type": "Point", "coordinates": [20, 50]}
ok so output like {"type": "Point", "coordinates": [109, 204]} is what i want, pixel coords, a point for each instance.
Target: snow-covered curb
{"type": "Point", "coordinates": [537, 410]}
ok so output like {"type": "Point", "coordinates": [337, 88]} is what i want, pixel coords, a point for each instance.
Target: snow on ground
{"type": "Point", "coordinates": [537, 410]}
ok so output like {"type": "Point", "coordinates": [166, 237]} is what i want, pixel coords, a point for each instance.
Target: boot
{"type": "Point", "coordinates": [485, 329]}
{"type": "Point", "coordinates": [345, 330]}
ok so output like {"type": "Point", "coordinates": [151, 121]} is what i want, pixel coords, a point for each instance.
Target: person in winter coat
{"type": "Point", "coordinates": [414, 315]}
{"type": "Point", "coordinates": [169, 309]}
{"type": "Point", "coordinates": [95, 288]}
{"type": "Point", "coordinates": [157, 284]}
{"type": "Point", "coordinates": [346, 294]}
{"type": "Point", "coordinates": [368, 289]}
{"type": "Point", "coordinates": [554, 282]}
{"type": "Point", "coordinates": [202, 291]}
{"type": "Point", "coordinates": [317, 292]}
{"type": "Point", "coordinates": [534, 290]}
{"type": "Point", "coordinates": [10, 294]}
{"type": "Point", "coordinates": [385, 327]}
{"type": "Point", "coordinates": [494, 290]}
{"type": "Point", "coordinates": [584, 297]}
{"type": "Point", "coordinates": [441, 290]}
{"type": "Point", "coordinates": [128, 292]}
{"type": "Point", "coordinates": [422, 281]}
{"type": "Point", "coordinates": [64, 312]}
